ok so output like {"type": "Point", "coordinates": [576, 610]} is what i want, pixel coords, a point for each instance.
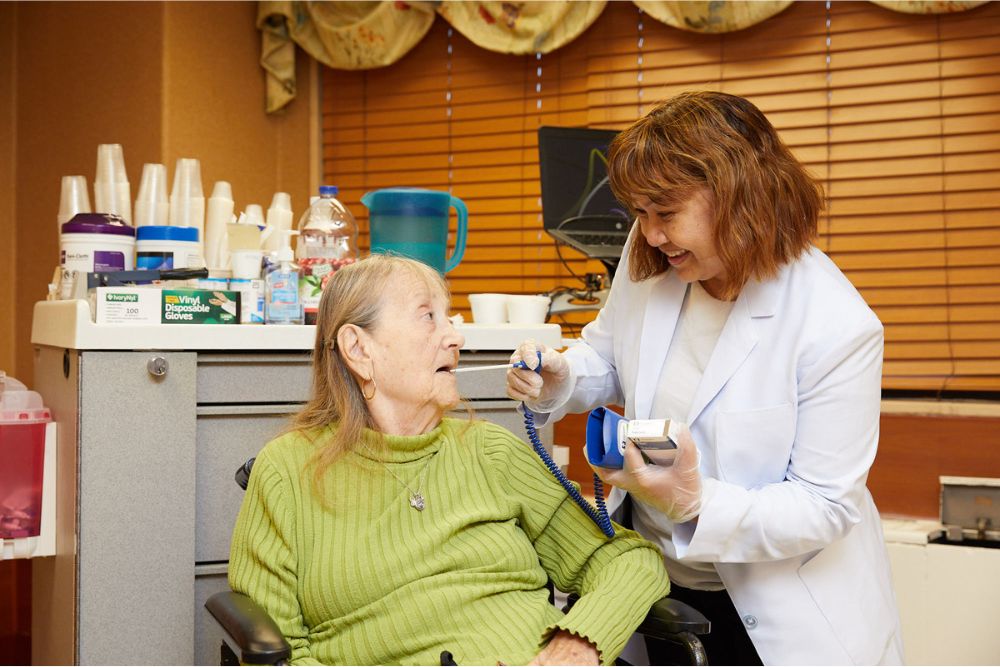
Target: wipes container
{"type": "Point", "coordinates": [22, 449]}
{"type": "Point", "coordinates": [92, 242]}
{"type": "Point", "coordinates": [162, 247]}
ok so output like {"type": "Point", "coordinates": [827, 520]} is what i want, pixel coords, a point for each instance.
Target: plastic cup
{"type": "Point", "coordinates": [111, 186]}
{"type": "Point", "coordinates": [73, 198]}
{"type": "Point", "coordinates": [527, 308]}
{"type": "Point", "coordinates": [488, 308]}
{"type": "Point", "coordinates": [152, 205]}
{"type": "Point", "coordinates": [187, 199]}
{"type": "Point", "coordinates": [255, 215]}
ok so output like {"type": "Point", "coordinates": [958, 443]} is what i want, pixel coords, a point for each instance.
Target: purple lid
{"type": "Point", "coordinates": [98, 223]}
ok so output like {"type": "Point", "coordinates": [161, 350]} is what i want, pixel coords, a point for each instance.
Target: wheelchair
{"type": "Point", "coordinates": [251, 637]}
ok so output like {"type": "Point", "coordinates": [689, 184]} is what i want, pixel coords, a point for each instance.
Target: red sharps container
{"type": "Point", "coordinates": [22, 457]}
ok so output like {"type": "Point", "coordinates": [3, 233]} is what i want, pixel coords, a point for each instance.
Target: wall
{"type": "Point", "coordinates": [8, 15]}
{"type": "Point", "coordinates": [165, 80]}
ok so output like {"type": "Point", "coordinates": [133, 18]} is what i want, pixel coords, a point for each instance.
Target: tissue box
{"type": "Point", "coordinates": [150, 305]}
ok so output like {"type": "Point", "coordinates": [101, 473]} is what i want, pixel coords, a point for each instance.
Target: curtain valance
{"type": "Point", "coordinates": [366, 35]}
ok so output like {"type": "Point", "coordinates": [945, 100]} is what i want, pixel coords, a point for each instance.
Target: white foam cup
{"type": "Point", "coordinates": [527, 308]}
{"type": "Point", "coordinates": [488, 308]}
{"type": "Point", "coordinates": [246, 264]}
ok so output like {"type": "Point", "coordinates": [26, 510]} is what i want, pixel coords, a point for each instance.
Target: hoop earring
{"type": "Point", "coordinates": [374, 388]}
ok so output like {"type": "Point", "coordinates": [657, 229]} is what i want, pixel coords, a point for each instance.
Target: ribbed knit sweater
{"type": "Point", "coordinates": [364, 578]}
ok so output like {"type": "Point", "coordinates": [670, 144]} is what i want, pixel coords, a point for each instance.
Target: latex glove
{"type": "Point", "coordinates": [566, 648]}
{"type": "Point", "coordinates": [674, 490]}
{"type": "Point", "coordinates": [536, 389]}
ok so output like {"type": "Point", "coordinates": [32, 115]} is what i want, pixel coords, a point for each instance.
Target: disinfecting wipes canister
{"type": "Point", "coordinates": [97, 242]}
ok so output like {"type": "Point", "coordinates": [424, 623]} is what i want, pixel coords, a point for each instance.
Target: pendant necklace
{"type": "Point", "coordinates": [417, 501]}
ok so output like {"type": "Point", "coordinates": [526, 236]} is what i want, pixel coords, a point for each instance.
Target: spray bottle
{"type": "Point", "coordinates": [283, 305]}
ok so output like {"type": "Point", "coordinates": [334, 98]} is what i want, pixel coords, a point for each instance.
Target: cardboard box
{"type": "Point", "coordinates": [151, 305]}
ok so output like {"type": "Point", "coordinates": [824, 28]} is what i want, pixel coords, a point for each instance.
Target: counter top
{"type": "Point", "coordinates": [68, 324]}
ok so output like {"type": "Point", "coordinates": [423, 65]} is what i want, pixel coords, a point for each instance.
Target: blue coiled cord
{"type": "Point", "coordinates": [598, 516]}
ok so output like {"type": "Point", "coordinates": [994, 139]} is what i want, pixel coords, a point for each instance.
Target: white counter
{"type": "Point", "coordinates": [68, 324]}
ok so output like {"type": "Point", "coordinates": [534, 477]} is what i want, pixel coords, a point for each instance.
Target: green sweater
{"type": "Point", "coordinates": [367, 579]}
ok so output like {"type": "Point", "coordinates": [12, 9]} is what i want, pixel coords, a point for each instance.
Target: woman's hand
{"type": "Point", "coordinates": [566, 648]}
{"type": "Point", "coordinates": [674, 490]}
{"type": "Point", "coordinates": [534, 388]}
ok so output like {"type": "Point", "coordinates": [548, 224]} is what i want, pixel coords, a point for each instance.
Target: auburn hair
{"type": "Point", "coordinates": [765, 203]}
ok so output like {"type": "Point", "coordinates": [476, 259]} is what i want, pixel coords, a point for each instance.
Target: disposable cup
{"type": "Point", "coordinates": [246, 264]}
{"type": "Point", "coordinates": [488, 308]}
{"type": "Point", "coordinates": [151, 204]}
{"type": "Point", "coordinates": [111, 187]}
{"type": "Point", "coordinates": [73, 198]}
{"type": "Point", "coordinates": [187, 199]}
{"type": "Point", "coordinates": [527, 308]}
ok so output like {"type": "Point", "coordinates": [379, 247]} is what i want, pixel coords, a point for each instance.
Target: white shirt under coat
{"type": "Point", "coordinates": [786, 416]}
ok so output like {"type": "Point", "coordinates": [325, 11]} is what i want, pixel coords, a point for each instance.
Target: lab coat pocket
{"type": "Point", "coordinates": [847, 591]}
{"type": "Point", "coordinates": [754, 446]}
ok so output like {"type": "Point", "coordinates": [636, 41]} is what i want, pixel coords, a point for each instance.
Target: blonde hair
{"type": "Point", "coordinates": [353, 295]}
{"type": "Point", "coordinates": [766, 205]}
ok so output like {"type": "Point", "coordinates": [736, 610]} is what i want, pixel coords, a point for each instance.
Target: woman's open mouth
{"type": "Point", "coordinates": [676, 257]}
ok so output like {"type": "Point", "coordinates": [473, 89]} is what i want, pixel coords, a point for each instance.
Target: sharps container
{"type": "Point", "coordinates": [22, 450]}
{"type": "Point", "coordinates": [97, 242]}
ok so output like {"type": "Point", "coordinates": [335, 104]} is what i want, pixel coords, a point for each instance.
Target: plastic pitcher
{"type": "Point", "coordinates": [22, 450]}
{"type": "Point", "coordinates": [414, 223]}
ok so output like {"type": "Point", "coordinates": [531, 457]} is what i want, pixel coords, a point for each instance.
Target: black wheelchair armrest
{"type": "Point", "coordinates": [255, 634]}
{"type": "Point", "coordinates": [677, 622]}
{"type": "Point", "coordinates": [671, 617]}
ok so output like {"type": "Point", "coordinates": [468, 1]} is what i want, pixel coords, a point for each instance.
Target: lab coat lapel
{"type": "Point", "coordinates": [662, 310]}
{"type": "Point", "coordinates": [736, 341]}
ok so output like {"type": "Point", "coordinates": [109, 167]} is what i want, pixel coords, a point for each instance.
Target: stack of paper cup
{"type": "Point", "coordinates": [111, 188]}
{"type": "Point", "coordinates": [151, 205]}
{"type": "Point", "coordinates": [220, 214]}
{"type": "Point", "coordinates": [73, 198]}
{"type": "Point", "coordinates": [187, 199]}
{"type": "Point", "coordinates": [279, 219]}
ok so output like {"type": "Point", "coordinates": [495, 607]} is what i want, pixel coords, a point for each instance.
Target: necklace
{"type": "Point", "coordinates": [417, 501]}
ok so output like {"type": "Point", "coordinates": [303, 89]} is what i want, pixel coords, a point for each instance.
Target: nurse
{"type": "Point", "coordinates": [724, 316]}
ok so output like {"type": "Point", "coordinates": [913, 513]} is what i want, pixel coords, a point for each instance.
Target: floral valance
{"type": "Point", "coordinates": [366, 35]}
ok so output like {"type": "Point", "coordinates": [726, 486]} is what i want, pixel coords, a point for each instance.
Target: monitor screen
{"type": "Point", "coordinates": [573, 166]}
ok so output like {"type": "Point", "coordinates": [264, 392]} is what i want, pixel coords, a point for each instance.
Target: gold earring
{"type": "Point", "coordinates": [374, 388]}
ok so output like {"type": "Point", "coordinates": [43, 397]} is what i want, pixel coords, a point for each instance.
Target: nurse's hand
{"type": "Point", "coordinates": [674, 490]}
{"type": "Point", "coordinates": [533, 388]}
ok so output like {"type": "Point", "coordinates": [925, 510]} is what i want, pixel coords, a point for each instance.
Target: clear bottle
{"type": "Point", "coordinates": [283, 304]}
{"type": "Point", "coordinates": [328, 240]}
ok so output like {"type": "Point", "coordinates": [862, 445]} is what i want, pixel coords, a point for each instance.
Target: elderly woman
{"type": "Point", "coordinates": [379, 532]}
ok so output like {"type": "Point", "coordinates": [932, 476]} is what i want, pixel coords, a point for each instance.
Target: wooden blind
{"type": "Point", "coordinates": [898, 115]}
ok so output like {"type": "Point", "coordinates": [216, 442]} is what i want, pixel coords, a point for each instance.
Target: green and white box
{"type": "Point", "coordinates": [128, 305]}
{"type": "Point", "coordinates": [197, 306]}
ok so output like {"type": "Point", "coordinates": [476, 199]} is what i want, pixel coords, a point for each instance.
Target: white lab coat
{"type": "Point", "coordinates": [787, 420]}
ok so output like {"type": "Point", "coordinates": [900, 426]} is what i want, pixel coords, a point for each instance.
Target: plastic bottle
{"type": "Point", "coordinates": [282, 302]}
{"type": "Point", "coordinates": [328, 240]}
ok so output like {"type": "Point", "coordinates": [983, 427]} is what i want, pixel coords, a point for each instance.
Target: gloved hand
{"type": "Point", "coordinates": [536, 389]}
{"type": "Point", "coordinates": [674, 490]}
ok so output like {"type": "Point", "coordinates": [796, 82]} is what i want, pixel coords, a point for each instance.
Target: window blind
{"type": "Point", "coordinates": [897, 115]}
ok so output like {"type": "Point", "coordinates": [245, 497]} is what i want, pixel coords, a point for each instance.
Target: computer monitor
{"type": "Point", "coordinates": [578, 207]}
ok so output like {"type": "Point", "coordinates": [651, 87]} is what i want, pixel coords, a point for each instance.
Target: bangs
{"type": "Point", "coordinates": [641, 163]}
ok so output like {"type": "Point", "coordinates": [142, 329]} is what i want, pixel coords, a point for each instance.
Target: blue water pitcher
{"type": "Point", "coordinates": [413, 222]}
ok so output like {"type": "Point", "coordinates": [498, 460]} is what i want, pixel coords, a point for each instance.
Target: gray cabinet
{"type": "Point", "coordinates": [146, 494]}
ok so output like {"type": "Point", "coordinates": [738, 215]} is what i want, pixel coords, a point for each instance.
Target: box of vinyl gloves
{"type": "Point", "coordinates": [150, 305]}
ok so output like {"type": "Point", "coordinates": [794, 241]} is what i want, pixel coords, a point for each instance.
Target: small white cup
{"type": "Point", "coordinates": [246, 263]}
{"type": "Point", "coordinates": [488, 308]}
{"type": "Point", "coordinates": [527, 308]}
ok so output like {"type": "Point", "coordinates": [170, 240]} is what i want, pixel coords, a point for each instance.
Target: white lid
{"type": "Point", "coordinates": [19, 405]}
